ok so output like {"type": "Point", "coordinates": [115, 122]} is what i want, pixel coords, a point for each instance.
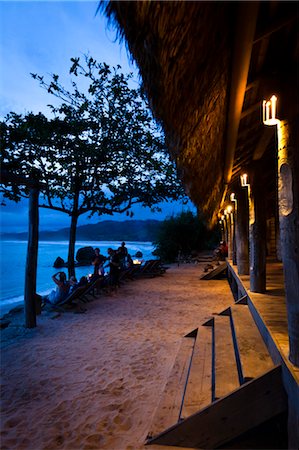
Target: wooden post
{"type": "Point", "coordinates": [226, 229]}
{"type": "Point", "coordinates": [224, 233]}
{"type": "Point", "coordinates": [229, 236]}
{"type": "Point", "coordinates": [242, 243]}
{"type": "Point", "coordinates": [288, 193]}
{"type": "Point", "coordinates": [222, 230]}
{"type": "Point", "coordinates": [233, 238]}
{"type": "Point", "coordinates": [31, 262]}
{"type": "Point", "coordinates": [257, 232]}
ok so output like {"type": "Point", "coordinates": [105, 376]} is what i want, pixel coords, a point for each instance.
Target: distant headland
{"type": "Point", "coordinates": [107, 230]}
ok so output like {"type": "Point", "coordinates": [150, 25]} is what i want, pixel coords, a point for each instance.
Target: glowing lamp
{"type": "Point", "coordinates": [269, 111]}
{"type": "Point", "coordinates": [222, 217]}
{"type": "Point", "coordinates": [232, 197]}
{"type": "Point", "coordinates": [244, 180]}
{"type": "Point", "coordinates": [220, 221]}
{"type": "Point", "coordinates": [225, 212]}
{"type": "Point", "coordinates": [229, 209]}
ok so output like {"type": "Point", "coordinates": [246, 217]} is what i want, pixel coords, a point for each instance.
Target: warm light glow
{"type": "Point", "coordinates": [232, 197]}
{"type": "Point", "coordinates": [222, 217]}
{"type": "Point", "coordinates": [220, 221]}
{"type": "Point", "coordinates": [136, 261]}
{"type": "Point", "coordinates": [269, 111]}
{"type": "Point", "coordinates": [225, 212]}
{"type": "Point", "coordinates": [229, 209]}
{"type": "Point", "coordinates": [244, 180]}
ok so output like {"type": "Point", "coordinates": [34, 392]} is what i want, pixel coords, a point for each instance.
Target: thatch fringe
{"type": "Point", "coordinates": [183, 50]}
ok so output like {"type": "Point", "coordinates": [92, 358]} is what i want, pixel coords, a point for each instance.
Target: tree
{"type": "Point", "coordinates": [101, 153]}
{"type": "Point", "coordinates": [184, 233]}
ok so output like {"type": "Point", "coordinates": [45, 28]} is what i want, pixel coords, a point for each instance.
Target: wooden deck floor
{"type": "Point", "coordinates": [270, 314]}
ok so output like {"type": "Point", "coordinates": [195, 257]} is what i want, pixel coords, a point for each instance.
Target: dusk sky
{"type": "Point", "coordinates": [41, 37]}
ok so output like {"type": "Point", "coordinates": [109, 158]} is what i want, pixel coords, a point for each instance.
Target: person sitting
{"type": "Point", "coordinates": [82, 282]}
{"type": "Point", "coordinates": [98, 263]}
{"type": "Point", "coordinates": [129, 262]}
{"type": "Point", "coordinates": [221, 252]}
{"type": "Point", "coordinates": [62, 289]}
{"type": "Point", "coordinates": [73, 284]}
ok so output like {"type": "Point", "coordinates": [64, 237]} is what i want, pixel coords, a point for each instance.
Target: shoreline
{"type": "Point", "coordinates": [12, 285]}
{"type": "Point", "coordinates": [93, 380]}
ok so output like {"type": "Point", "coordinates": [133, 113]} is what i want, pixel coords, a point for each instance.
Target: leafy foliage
{"type": "Point", "coordinates": [184, 233]}
{"type": "Point", "coordinates": [102, 144]}
{"type": "Point", "coordinates": [101, 152]}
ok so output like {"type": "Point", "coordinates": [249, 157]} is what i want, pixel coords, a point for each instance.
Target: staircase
{"type": "Point", "coordinates": [222, 384]}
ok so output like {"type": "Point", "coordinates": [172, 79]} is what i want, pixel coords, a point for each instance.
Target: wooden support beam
{"type": "Point", "coordinates": [274, 27]}
{"type": "Point", "coordinates": [251, 109]}
{"type": "Point", "coordinates": [246, 23]}
{"type": "Point", "coordinates": [253, 84]}
{"type": "Point", "coordinates": [263, 143]}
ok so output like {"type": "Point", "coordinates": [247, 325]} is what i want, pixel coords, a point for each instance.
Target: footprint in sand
{"type": "Point", "coordinates": [112, 407]}
{"type": "Point", "coordinates": [95, 440]}
{"type": "Point", "coordinates": [12, 423]}
{"type": "Point", "coordinates": [89, 368]}
{"type": "Point", "coordinates": [126, 425]}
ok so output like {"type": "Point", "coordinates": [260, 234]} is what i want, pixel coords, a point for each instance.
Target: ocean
{"type": "Point", "coordinates": [13, 261]}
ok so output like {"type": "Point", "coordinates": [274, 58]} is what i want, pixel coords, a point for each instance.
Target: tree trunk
{"type": "Point", "coordinates": [72, 242]}
{"type": "Point", "coordinates": [31, 262]}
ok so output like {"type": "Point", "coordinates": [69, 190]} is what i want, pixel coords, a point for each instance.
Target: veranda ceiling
{"type": "Point", "coordinates": [206, 66]}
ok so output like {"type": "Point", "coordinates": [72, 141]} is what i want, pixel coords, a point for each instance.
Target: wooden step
{"type": "Point", "coordinates": [215, 272]}
{"type": "Point", "coordinates": [254, 356]}
{"type": "Point", "coordinates": [199, 385]}
{"type": "Point", "coordinates": [226, 372]}
{"type": "Point", "coordinates": [222, 421]}
{"type": "Point", "coordinates": [168, 411]}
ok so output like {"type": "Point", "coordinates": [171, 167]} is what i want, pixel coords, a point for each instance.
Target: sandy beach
{"type": "Point", "coordinates": [93, 380]}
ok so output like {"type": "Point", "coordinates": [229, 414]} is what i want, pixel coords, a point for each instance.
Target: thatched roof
{"type": "Point", "coordinates": [196, 60]}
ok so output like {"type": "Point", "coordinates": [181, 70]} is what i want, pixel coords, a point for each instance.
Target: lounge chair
{"type": "Point", "coordinates": [128, 274]}
{"type": "Point", "coordinates": [151, 268]}
{"type": "Point", "coordinates": [94, 287]}
{"type": "Point", "coordinates": [70, 302]}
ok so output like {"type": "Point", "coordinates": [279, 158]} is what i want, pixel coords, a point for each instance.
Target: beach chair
{"type": "Point", "coordinates": [93, 288]}
{"type": "Point", "coordinates": [151, 268]}
{"type": "Point", "coordinates": [215, 272]}
{"type": "Point", "coordinates": [129, 273]}
{"type": "Point", "coordinates": [70, 302]}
